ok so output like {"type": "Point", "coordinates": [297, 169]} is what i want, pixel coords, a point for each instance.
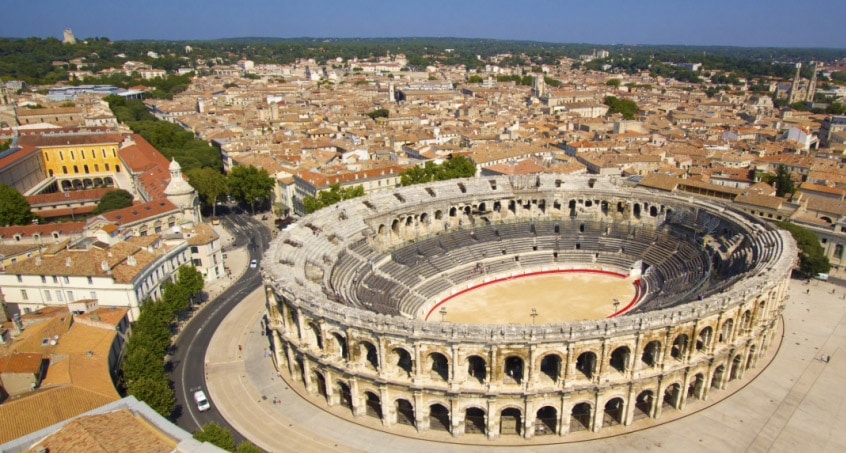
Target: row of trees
{"type": "Point", "coordinates": [812, 259]}
{"type": "Point", "coordinates": [626, 107]}
{"type": "Point", "coordinates": [249, 185]}
{"type": "Point", "coordinates": [221, 437]}
{"type": "Point", "coordinates": [456, 167]}
{"type": "Point", "coordinates": [142, 371]}
{"type": "Point", "coordinates": [329, 197]}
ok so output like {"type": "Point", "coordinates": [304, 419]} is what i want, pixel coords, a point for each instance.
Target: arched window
{"type": "Point", "coordinates": [581, 417]}
{"type": "Point", "coordinates": [511, 422]}
{"type": "Point", "coordinates": [613, 412]}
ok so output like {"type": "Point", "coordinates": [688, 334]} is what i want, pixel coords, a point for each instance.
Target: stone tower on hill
{"type": "Point", "coordinates": [68, 37]}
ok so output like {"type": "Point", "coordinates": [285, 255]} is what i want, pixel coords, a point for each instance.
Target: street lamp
{"type": "Point", "coordinates": [443, 312]}
{"type": "Point", "coordinates": [616, 305]}
{"type": "Point", "coordinates": [534, 315]}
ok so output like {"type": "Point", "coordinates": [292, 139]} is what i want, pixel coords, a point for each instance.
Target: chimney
{"type": "Point", "coordinates": [130, 261]}
{"type": "Point", "coordinates": [68, 262]}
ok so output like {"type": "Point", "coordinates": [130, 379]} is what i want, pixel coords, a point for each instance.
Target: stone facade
{"type": "Point", "coordinates": [359, 351]}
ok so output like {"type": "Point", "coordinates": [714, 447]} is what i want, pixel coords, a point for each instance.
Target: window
{"type": "Point", "coordinates": [59, 296]}
{"type": "Point", "coordinates": [20, 278]}
{"type": "Point", "coordinates": [195, 249]}
{"type": "Point", "coordinates": [70, 296]}
{"type": "Point", "coordinates": [24, 296]}
{"type": "Point", "coordinates": [55, 279]}
{"type": "Point", "coordinates": [43, 279]}
{"type": "Point", "coordinates": [90, 280]}
{"type": "Point", "coordinates": [197, 262]}
{"type": "Point", "coordinates": [66, 279]}
{"type": "Point", "coordinates": [47, 296]}
{"type": "Point", "coordinates": [72, 157]}
{"type": "Point", "coordinates": [94, 295]}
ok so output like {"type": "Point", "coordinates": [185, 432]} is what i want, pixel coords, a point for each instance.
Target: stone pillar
{"type": "Point", "coordinates": [456, 417]}
{"type": "Point", "coordinates": [529, 417]}
{"type": "Point", "coordinates": [421, 419]}
{"type": "Point", "coordinates": [389, 412]}
{"type": "Point", "coordinates": [356, 400]}
{"type": "Point", "coordinates": [306, 375]}
{"type": "Point", "coordinates": [628, 417]}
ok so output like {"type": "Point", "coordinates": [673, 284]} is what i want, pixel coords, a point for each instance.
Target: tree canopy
{"type": "Point", "coordinates": [14, 209]}
{"type": "Point", "coordinates": [812, 259]}
{"type": "Point", "coordinates": [217, 435]}
{"type": "Point", "coordinates": [379, 113]}
{"type": "Point", "coordinates": [250, 185]}
{"type": "Point", "coordinates": [457, 167]}
{"type": "Point", "coordinates": [783, 182]}
{"type": "Point", "coordinates": [113, 200]}
{"type": "Point", "coordinates": [210, 185]}
{"type": "Point", "coordinates": [329, 197]}
{"type": "Point", "coordinates": [626, 107]}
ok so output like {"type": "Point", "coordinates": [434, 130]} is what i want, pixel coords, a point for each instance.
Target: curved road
{"type": "Point", "coordinates": [189, 350]}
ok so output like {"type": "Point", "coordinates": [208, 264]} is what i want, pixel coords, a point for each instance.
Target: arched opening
{"type": "Point", "coordinates": [604, 207]}
{"type": "Point", "coordinates": [438, 418]}
{"type": "Point", "coordinates": [514, 368]}
{"type": "Point", "coordinates": [372, 405]}
{"type": "Point", "coordinates": [586, 364]}
{"type": "Point", "coordinates": [750, 358]}
{"type": "Point", "coordinates": [703, 340]}
{"type": "Point", "coordinates": [321, 384]}
{"type": "Point", "coordinates": [571, 205]}
{"type": "Point", "coordinates": [438, 366]}
{"type": "Point", "coordinates": [476, 368]}
{"type": "Point", "coordinates": [613, 412]}
{"type": "Point", "coordinates": [651, 352]}
{"type": "Point", "coordinates": [340, 345]}
{"type": "Point", "coordinates": [405, 412]}
{"type": "Point", "coordinates": [345, 394]}
{"type": "Point", "coordinates": [439, 214]}
{"type": "Point", "coordinates": [316, 337]}
{"type": "Point", "coordinates": [636, 210]}
{"type": "Point", "coordinates": [424, 218]}
{"type": "Point", "coordinates": [510, 422]}
{"type": "Point", "coordinates": [671, 397]}
{"type": "Point", "coordinates": [409, 221]}
{"type": "Point", "coordinates": [697, 384]}
{"type": "Point", "coordinates": [653, 211]}
{"type": "Point", "coordinates": [452, 211]}
{"type": "Point", "coordinates": [395, 226]}
{"type": "Point", "coordinates": [368, 353]}
{"type": "Point", "coordinates": [725, 331]}
{"type": "Point", "coordinates": [402, 359]}
{"type": "Point", "coordinates": [679, 347]}
{"type": "Point", "coordinates": [620, 359]}
{"type": "Point", "coordinates": [580, 417]}
{"type": "Point", "coordinates": [643, 404]}
{"type": "Point", "coordinates": [546, 421]}
{"type": "Point", "coordinates": [85, 169]}
{"type": "Point", "coordinates": [717, 378]}
{"type": "Point", "coordinates": [474, 421]}
{"type": "Point", "coordinates": [736, 368]}
{"type": "Point", "coordinates": [381, 229]}
{"type": "Point", "coordinates": [550, 367]}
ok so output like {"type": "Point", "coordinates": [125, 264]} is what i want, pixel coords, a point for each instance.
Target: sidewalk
{"type": "Point", "coordinates": [795, 402]}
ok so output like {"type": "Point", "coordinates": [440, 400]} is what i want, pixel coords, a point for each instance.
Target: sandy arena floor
{"type": "Point", "coordinates": [559, 297]}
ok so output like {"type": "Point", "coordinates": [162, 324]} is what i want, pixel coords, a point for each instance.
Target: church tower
{"type": "Point", "coordinates": [795, 94]}
{"type": "Point", "coordinates": [392, 93]}
{"type": "Point", "coordinates": [811, 92]}
{"type": "Point", "coordinates": [538, 86]}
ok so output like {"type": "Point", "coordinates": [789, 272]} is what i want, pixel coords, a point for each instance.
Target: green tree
{"type": "Point", "coordinates": [248, 447]}
{"type": "Point", "coordinates": [613, 83]}
{"type": "Point", "coordinates": [210, 185]}
{"type": "Point", "coordinates": [155, 391]}
{"type": "Point", "coordinates": [812, 259]}
{"type": "Point", "coordinates": [14, 209]}
{"type": "Point", "coordinates": [626, 107]}
{"type": "Point", "coordinates": [379, 113]}
{"type": "Point", "coordinates": [475, 79]}
{"type": "Point", "coordinates": [6, 144]}
{"type": "Point", "coordinates": [331, 196]}
{"type": "Point", "coordinates": [250, 185]}
{"type": "Point", "coordinates": [217, 435]}
{"type": "Point", "coordinates": [111, 201]}
{"type": "Point", "coordinates": [783, 182]}
{"type": "Point", "coordinates": [457, 167]}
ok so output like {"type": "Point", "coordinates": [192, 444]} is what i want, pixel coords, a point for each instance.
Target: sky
{"type": "Point", "coordinates": [748, 23]}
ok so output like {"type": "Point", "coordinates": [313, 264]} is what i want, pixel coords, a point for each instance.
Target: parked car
{"type": "Point", "coordinates": [253, 264]}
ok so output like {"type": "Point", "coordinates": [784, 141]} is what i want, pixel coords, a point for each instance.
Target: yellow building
{"type": "Point", "coordinates": [77, 155]}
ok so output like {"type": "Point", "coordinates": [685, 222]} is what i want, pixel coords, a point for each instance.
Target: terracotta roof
{"type": "Point", "coordinates": [110, 432]}
{"type": "Point", "coordinates": [24, 152]}
{"type": "Point", "coordinates": [68, 197]}
{"type": "Point", "coordinates": [140, 212]}
{"type": "Point", "coordinates": [64, 229]}
{"type": "Point", "coordinates": [49, 140]}
{"type": "Point", "coordinates": [21, 362]}
{"type": "Point", "coordinates": [662, 182]}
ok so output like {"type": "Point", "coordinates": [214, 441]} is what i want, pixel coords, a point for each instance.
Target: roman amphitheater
{"type": "Point", "coordinates": [523, 306]}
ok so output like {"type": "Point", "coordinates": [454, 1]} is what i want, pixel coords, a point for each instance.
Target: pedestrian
{"type": "Point", "coordinates": [240, 348]}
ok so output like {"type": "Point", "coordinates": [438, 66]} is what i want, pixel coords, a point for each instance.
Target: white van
{"type": "Point", "coordinates": [202, 401]}
{"type": "Point", "coordinates": [822, 276]}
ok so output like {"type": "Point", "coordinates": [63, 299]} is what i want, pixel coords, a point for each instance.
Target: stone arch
{"type": "Point", "coordinates": [672, 396]}
{"type": "Point", "coordinates": [372, 405]}
{"type": "Point", "coordinates": [424, 218]}
{"type": "Point", "coordinates": [653, 211]}
{"type": "Point", "coordinates": [368, 354]}
{"type": "Point", "coordinates": [636, 210]}
{"type": "Point", "coordinates": [381, 230]}
{"type": "Point", "coordinates": [401, 359]}
{"type": "Point", "coordinates": [586, 364]}
{"type": "Point", "coordinates": [620, 359]}
{"type": "Point", "coordinates": [475, 421]}
{"type": "Point", "coordinates": [340, 345]}
{"type": "Point", "coordinates": [405, 412]}
{"type": "Point", "coordinates": [314, 337]}
{"type": "Point", "coordinates": [651, 353]}
{"type": "Point", "coordinates": [717, 377]}
{"type": "Point", "coordinates": [409, 221]}
{"type": "Point", "coordinates": [476, 368]}
{"type": "Point", "coordinates": [644, 404]}
{"type": "Point", "coordinates": [344, 394]}
{"type": "Point", "coordinates": [581, 417]}
{"type": "Point", "coordinates": [514, 368]}
{"type": "Point", "coordinates": [439, 214]}
{"type": "Point", "coordinates": [453, 211]}
{"type": "Point", "coordinates": [546, 421]}
{"type": "Point", "coordinates": [438, 366]}
{"type": "Point", "coordinates": [725, 331]}
{"type": "Point", "coordinates": [613, 412]}
{"type": "Point", "coordinates": [511, 421]}
{"type": "Point", "coordinates": [703, 340]}
{"type": "Point", "coordinates": [679, 347]}
{"type": "Point", "coordinates": [746, 320]}
{"type": "Point", "coordinates": [750, 357]}
{"type": "Point", "coordinates": [439, 417]}
{"type": "Point", "coordinates": [696, 386]}
{"type": "Point", "coordinates": [736, 370]}
{"type": "Point", "coordinates": [320, 382]}
{"type": "Point", "coordinates": [550, 366]}
{"type": "Point", "coordinates": [395, 226]}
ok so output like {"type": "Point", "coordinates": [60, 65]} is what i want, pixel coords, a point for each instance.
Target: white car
{"type": "Point", "coordinates": [253, 264]}
{"type": "Point", "coordinates": [201, 400]}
